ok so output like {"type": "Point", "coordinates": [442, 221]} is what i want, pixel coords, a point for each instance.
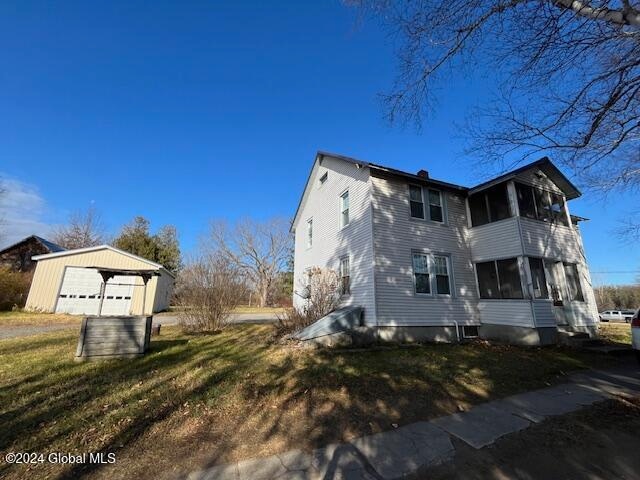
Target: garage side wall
{"type": "Point", "coordinates": [49, 273]}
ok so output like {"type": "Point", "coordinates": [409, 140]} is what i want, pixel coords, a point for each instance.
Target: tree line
{"type": "Point", "coordinates": [617, 297]}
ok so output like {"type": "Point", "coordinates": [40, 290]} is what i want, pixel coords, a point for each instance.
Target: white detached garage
{"type": "Point", "coordinates": [69, 282]}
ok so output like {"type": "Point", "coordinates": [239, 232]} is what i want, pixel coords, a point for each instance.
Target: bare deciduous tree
{"type": "Point", "coordinates": [208, 290]}
{"type": "Point", "coordinates": [84, 229]}
{"type": "Point", "coordinates": [568, 83]}
{"type": "Point", "coordinates": [258, 249]}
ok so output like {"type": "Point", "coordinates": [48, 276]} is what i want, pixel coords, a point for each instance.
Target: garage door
{"type": "Point", "coordinates": [80, 293]}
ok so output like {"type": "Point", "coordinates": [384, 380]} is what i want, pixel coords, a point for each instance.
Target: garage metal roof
{"type": "Point", "coordinates": [78, 251]}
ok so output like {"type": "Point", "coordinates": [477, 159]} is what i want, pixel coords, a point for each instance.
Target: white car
{"type": "Point", "coordinates": [616, 316]}
{"type": "Point", "coordinates": [635, 334]}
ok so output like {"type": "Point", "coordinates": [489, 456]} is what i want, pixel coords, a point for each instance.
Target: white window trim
{"type": "Point", "coordinates": [309, 234]}
{"type": "Point", "coordinates": [426, 204]}
{"type": "Point", "coordinates": [348, 210]}
{"type": "Point", "coordinates": [341, 259]}
{"type": "Point", "coordinates": [431, 268]}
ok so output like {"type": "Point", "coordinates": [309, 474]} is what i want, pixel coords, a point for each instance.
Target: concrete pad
{"type": "Point", "coordinates": [261, 468]}
{"type": "Point", "coordinates": [482, 425]}
{"type": "Point", "coordinates": [397, 453]}
{"type": "Point", "coordinates": [219, 472]}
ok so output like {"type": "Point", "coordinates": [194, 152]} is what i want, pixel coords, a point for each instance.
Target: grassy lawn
{"type": "Point", "coordinates": [616, 332]}
{"type": "Point", "coordinates": [24, 319]}
{"type": "Point", "coordinates": [198, 400]}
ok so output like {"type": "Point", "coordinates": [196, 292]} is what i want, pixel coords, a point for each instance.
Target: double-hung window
{"type": "Point", "coordinates": [310, 233]}
{"type": "Point", "coordinates": [499, 279]}
{"type": "Point", "coordinates": [416, 202]}
{"type": "Point", "coordinates": [344, 209]}
{"type": "Point", "coordinates": [431, 274]}
{"type": "Point", "coordinates": [417, 195]}
{"type": "Point", "coordinates": [345, 276]}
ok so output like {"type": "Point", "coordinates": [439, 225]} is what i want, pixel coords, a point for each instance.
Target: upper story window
{"type": "Point", "coordinates": [344, 209]}
{"type": "Point", "coordinates": [489, 205]}
{"type": "Point", "coordinates": [345, 276]}
{"type": "Point", "coordinates": [310, 233]}
{"type": "Point", "coordinates": [541, 205]}
{"type": "Point", "coordinates": [323, 178]}
{"type": "Point", "coordinates": [431, 274]}
{"type": "Point", "coordinates": [499, 279]}
{"type": "Point", "coordinates": [417, 195]}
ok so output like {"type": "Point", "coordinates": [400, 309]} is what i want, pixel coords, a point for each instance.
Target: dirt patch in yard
{"type": "Point", "coordinates": [600, 442]}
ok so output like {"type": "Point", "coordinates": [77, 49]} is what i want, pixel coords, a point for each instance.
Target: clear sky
{"type": "Point", "coordinates": [185, 112]}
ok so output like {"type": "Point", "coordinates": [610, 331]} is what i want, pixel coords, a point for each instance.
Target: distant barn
{"type": "Point", "coordinates": [17, 257]}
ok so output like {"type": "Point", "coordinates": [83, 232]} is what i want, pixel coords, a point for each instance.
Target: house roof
{"type": "Point", "coordinates": [52, 247]}
{"type": "Point", "coordinates": [78, 251]}
{"type": "Point", "coordinates": [547, 167]}
{"type": "Point", "coordinates": [544, 164]}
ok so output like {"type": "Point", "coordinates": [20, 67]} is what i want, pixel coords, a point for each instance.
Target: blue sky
{"type": "Point", "coordinates": [190, 111]}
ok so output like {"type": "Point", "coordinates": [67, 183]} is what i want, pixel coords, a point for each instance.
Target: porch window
{"type": "Point", "coordinates": [538, 278]}
{"type": "Point", "coordinates": [499, 279]}
{"type": "Point", "coordinates": [489, 205]}
{"type": "Point", "coordinates": [573, 282]}
{"type": "Point", "coordinates": [421, 276]}
{"type": "Point", "coordinates": [416, 202]}
{"type": "Point", "coordinates": [345, 277]}
{"type": "Point", "coordinates": [541, 205]}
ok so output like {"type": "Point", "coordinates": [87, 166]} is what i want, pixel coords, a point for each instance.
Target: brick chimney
{"type": "Point", "coordinates": [423, 174]}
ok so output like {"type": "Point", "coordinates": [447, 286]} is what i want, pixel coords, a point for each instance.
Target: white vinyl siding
{"type": "Point", "coordinates": [397, 237]}
{"type": "Point", "coordinates": [331, 242]}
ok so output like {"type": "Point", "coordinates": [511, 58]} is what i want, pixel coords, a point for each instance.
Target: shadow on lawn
{"type": "Point", "coordinates": [282, 398]}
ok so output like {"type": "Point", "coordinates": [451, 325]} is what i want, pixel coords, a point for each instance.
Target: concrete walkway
{"type": "Point", "coordinates": [410, 450]}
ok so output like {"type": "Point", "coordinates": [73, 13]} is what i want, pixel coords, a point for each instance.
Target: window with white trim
{"type": "Point", "coordinates": [345, 276]}
{"type": "Point", "coordinates": [431, 273]}
{"type": "Point", "coordinates": [344, 209]}
{"type": "Point", "coordinates": [499, 279]}
{"type": "Point", "coordinates": [435, 210]}
{"type": "Point", "coordinates": [573, 282]}
{"type": "Point", "coordinates": [310, 233]}
{"type": "Point", "coordinates": [415, 201]}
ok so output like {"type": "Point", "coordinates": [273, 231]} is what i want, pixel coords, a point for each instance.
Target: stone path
{"type": "Point", "coordinates": [409, 450]}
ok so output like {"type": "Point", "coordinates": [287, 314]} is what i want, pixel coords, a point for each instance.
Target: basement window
{"type": "Point", "coordinates": [470, 331]}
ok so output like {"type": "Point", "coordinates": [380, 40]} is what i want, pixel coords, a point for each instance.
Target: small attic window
{"type": "Point", "coordinates": [323, 178]}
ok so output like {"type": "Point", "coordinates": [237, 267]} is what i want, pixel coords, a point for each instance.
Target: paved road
{"type": "Point", "coordinates": [259, 318]}
{"type": "Point", "coordinates": [10, 331]}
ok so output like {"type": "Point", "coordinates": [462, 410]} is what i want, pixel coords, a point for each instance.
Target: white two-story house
{"type": "Point", "coordinates": [430, 260]}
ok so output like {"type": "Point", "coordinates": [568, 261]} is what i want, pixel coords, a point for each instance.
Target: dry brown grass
{"type": "Point", "coordinates": [198, 400]}
{"type": "Point", "coordinates": [616, 332]}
